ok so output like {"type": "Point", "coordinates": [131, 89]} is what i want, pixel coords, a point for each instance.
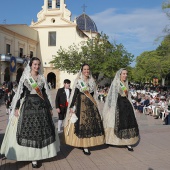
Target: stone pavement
{"type": "Point", "coordinates": [151, 153]}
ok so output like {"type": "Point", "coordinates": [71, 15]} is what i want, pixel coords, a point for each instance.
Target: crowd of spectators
{"type": "Point", "coordinates": [102, 92]}
{"type": "Point", "coordinates": [148, 100]}
{"type": "Point", "coordinates": [152, 101]}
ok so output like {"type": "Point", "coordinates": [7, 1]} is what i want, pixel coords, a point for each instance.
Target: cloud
{"type": "Point", "coordinates": [136, 29]}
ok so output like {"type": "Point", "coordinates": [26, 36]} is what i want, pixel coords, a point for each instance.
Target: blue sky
{"type": "Point", "coordinates": [134, 23]}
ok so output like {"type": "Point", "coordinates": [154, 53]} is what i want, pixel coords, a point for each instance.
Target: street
{"type": "Point", "coordinates": [151, 153]}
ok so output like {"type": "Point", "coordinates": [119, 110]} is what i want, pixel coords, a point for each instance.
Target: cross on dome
{"type": "Point", "coordinates": [84, 8]}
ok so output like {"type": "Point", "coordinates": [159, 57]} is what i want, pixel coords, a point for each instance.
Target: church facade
{"type": "Point", "coordinates": [43, 38]}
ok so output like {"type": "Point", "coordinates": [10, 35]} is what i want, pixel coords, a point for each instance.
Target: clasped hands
{"type": "Point", "coordinates": [72, 111]}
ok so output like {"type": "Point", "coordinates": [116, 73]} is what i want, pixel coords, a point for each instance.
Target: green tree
{"type": "Point", "coordinates": [166, 8]}
{"type": "Point", "coordinates": [102, 56]}
{"type": "Point", "coordinates": [151, 64]}
{"type": "Point", "coordinates": [166, 4]}
{"type": "Point", "coordinates": [130, 73]}
{"type": "Point", "coordinates": [164, 48]}
{"type": "Point", "coordinates": [163, 52]}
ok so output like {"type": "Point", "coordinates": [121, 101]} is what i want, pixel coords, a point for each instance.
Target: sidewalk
{"type": "Point", "coordinates": [152, 152]}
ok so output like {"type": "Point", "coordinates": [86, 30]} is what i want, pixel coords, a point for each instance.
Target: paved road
{"type": "Point", "coordinates": [152, 152]}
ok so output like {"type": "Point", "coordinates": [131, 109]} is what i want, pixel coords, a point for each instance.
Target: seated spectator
{"type": "Point", "coordinates": [101, 95]}
{"type": "Point", "coordinates": [144, 103]}
{"type": "Point", "coordinates": [138, 100]}
{"type": "Point", "coordinates": [151, 106]}
{"type": "Point", "coordinates": [155, 104]}
{"type": "Point", "coordinates": [167, 115]}
{"type": "Point", "coordinates": [160, 107]}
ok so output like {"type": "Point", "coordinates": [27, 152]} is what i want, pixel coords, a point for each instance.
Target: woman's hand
{"type": "Point", "coordinates": [16, 113]}
{"type": "Point", "coordinates": [51, 112]}
{"type": "Point", "coordinates": [58, 110]}
{"type": "Point", "coordinates": [71, 111]}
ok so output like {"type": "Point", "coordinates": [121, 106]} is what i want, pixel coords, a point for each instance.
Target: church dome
{"type": "Point", "coordinates": [85, 23]}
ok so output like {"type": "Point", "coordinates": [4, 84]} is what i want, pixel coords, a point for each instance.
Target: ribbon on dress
{"type": "Point", "coordinates": [35, 86]}
{"type": "Point", "coordinates": [84, 89]}
{"type": "Point", "coordinates": [123, 87]}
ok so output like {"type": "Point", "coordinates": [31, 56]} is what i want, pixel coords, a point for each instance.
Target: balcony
{"type": "Point", "coordinates": [7, 58]}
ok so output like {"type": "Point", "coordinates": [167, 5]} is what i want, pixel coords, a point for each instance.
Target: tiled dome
{"type": "Point", "coordinates": [85, 23]}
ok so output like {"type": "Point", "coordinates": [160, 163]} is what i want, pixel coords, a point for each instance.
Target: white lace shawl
{"type": "Point", "coordinates": [108, 113]}
{"type": "Point", "coordinates": [91, 86]}
{"type": "Point", "coordinates": [23, 81]}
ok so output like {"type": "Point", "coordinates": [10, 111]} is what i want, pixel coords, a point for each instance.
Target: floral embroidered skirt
{"type": "Point", "coordinates": [33, 135]}
{"type": "Point", "coordinates": [35, 126]}
{"type": "Point", "coordinates": [88, 130]}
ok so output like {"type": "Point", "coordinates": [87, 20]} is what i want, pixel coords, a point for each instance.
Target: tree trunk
{"type": "Point", "coordinates": [163, 81]}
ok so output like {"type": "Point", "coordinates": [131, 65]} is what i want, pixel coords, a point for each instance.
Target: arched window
{"type": "Point", "coordinates": [57, 3]}
{"type": "Point", "coordinates": [7, 75]}
{"type": "Point", "coordinates": [49, 4]}
{"type": "Point", "coordinates": [51, 77]}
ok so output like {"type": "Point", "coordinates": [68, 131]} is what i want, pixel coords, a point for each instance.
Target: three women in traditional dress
{"type": "Point", "coordinates": [31, 136]}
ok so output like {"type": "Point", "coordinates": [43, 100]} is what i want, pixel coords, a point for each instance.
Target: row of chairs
{"type": "Point", "coordinates": [154, 111]}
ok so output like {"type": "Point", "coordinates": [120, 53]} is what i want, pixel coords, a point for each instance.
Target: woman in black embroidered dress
{"type": "Point", "coordinates": [119, 120]}
{"type": "Point", "coordinates": [88, 130]}
{"type": "Point", "coordinates": [31, 127]}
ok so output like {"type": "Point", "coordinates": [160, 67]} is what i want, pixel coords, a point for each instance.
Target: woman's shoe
{"type": "Point", "coordinates": [130, 148]}
{"type": "Point", "coordinates": [86, 152]}
{"type": "Point", "coordinates": [34, 165]}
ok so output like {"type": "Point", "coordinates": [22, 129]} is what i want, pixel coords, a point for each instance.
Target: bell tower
{"type": "Point", "coordinates": [52, 9]}
{"type": "Point", "coordinates": [52, 4]}
{"type": "Point", "coordinates": [55, 5]}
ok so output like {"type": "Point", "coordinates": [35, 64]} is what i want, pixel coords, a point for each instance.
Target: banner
{"type": "Point", "coordinates": [13, 64]}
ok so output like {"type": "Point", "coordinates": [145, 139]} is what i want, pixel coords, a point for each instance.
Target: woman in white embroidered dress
{"type": "Point", "coordinates": [30, 134]}
{"type": "Point", "coordinates": [88, 130]}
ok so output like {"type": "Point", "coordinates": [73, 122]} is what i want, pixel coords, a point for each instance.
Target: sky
{"type": "Point", "coordinates": [137, 24]}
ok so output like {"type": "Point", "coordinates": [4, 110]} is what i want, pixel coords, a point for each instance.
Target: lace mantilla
{"type": "Point", "coordinates": [25, 75]}
{"type": "Point", "coordinates": [109, 109]}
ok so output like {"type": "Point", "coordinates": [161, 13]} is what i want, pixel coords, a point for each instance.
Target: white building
{"type": "Point", "coordinates": [43, 38]}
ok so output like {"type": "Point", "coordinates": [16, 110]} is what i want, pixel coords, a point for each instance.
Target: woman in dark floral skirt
{"type": "Point", "coordinates": [119, 120]}
{"type": "Point", "coordinates": [88, 130]}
